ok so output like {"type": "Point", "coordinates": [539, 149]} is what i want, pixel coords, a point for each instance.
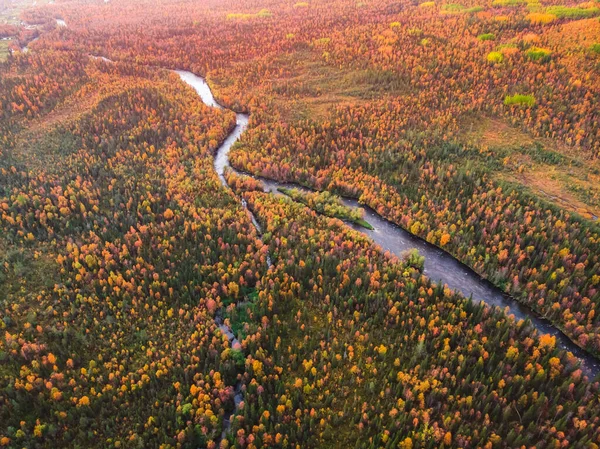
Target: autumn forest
{"type": "Point", "coordinates": [299, 224]}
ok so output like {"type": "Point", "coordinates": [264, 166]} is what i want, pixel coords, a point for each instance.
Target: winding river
{"type": "Point", "coordinates": [440, 266]}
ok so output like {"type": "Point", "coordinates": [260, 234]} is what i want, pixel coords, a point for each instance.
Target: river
{"type": "Point", "coordinates": [440, 266]}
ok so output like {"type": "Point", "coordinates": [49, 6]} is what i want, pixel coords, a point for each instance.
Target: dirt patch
{"type": "Point", "coordinates": [493, 132]}
{"type": "Point", "coordinates": [496, 132]}
{"type": "Point", "coordinates": [551, 170]}
{"type": "Point", "coordinates": [550, 184]}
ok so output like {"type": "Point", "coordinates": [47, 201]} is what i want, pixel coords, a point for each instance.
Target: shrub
{"type": "Point", "coordinates": [301, 5]}
{"type": "Point", "coordinates": [540, 18]}
{"type": "Point", "coordinates": [531, 38]}
{"type": "Point", "coordinates": [427, 5]}
{"type": "Point", "coordinates": [487, 37]}
{"type": "Point", "coordinates": [503, 3]}
{"type": "Point", "coordinates": [519, 100]}
{"type": "Point", "coordinates": [263, 13]}
{"type": "Point", "coordinates": [495, 57]}
{"type": "Point", "coordinates": [538, 54]}
{"type": "Point", "coordinates": [414, 260]}
{"type": "Point", "coordinates": [456, 8]}
{"type": "Point", "coordinates": [575, 12]}
{"type": "Point", "coordinates": [595, 48]}
{"type": "Point", "coordinates": [321, 41]}
{"type": "Point", "coordinates": [453, 7]}
{"type": "Point", "coordinates": [508, 49]}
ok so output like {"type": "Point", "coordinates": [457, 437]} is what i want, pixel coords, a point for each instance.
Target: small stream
{"type": "Point", "coordinates": [220, 163]}
{"type": "Point", "coordinates": [238, 395]}
{"type": "Point", "coordinates": [440, 266]}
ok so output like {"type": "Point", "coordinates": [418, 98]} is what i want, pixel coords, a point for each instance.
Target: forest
{"type": "Point", "coordinates": [147, 303]}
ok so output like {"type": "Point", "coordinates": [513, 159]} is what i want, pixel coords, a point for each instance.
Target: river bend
{"type": "Point", "coordinates": [440, 266]}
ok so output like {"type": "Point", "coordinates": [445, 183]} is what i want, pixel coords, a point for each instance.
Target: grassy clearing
{"type": "Point", "coordinates": [4, 50]}
{"type": "Point", "coordinates": [560, 186]}
{"type": "Point", "coordinates": [10, 10]}
{"type": "Point", "coordinates": [552, 172]}
{"type": "Point", "coordinates": [25, 271]}
{"type": "Point", "coordinates": [317, 87]}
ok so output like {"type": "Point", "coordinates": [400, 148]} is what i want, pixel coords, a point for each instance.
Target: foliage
{"type": "Point", "coordinates": [541, 18]}
{"type": "Point", "coordinates": [263, 13]}
{"type": "Point", "coordinates": [495, 57]}
{"type": "Point", "coordinates": [457, 8]}
{"type": "Point", "coordinates": [414, 260]}
{"type": "Point", "coordinates": [572, 12]}
{"type": "Point", "coordinates": [511, 3]}
{"type": "Point", "coordinates": [538, 54]}
{"type": "Point", "coordinates": [107, 187]}
{"type": "Point", "coordinates": [519, 100]}
{"type": "Point", "coordinates": [486, 37]}
{"type": "Point", "coordinates": [327, 204]}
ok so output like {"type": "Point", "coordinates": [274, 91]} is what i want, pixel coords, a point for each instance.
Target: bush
{"type": "Point", "coordinates": [534, 5]}
{"type": "Point", "coordinates": [456, 8]}
{"type": "Point", "coordinates": [263, 13]}
{"type": "Point", "coordinates": [414, 260]}
{"type": "Point", "coordinates": [540, 18]}
{"type": "Point", "coordinates": [538, 54]}
{"type": "Point", "coordinates": [495, 57]}
{"type": "Point", "coordinates": [502, 3]}
{"type": "Point", "coordinates": [453, 7]}
{"type": "Point", "coordinates": [567, 12]}
{"type": "Point", "coordinates": [595, 48]}
{"type": "Point", "coordinates": [487, 37]}
{"type": "Point", "coordinates": [519, 100]}
{"type": "Point", "coordinates": [321, 41]}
